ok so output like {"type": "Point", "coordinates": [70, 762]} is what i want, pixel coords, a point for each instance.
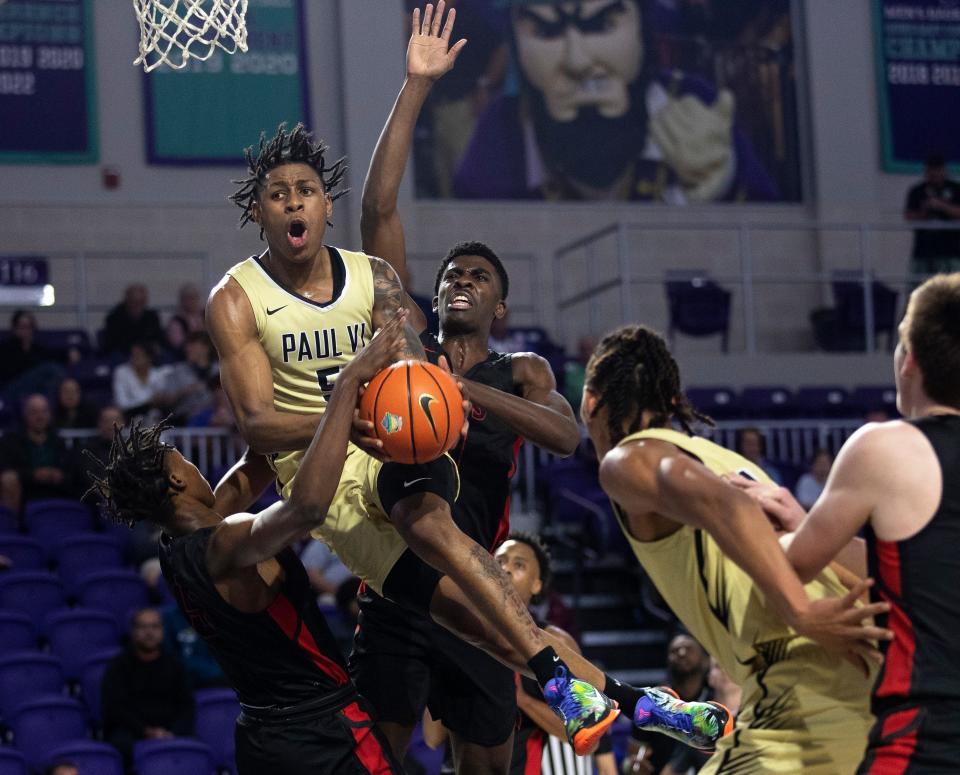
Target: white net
{"type": "Point", "coordinates": [175, 31]}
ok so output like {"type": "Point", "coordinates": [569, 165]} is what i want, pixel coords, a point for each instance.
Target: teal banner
{"type": "Point", "coordinates": [208, 112]}
{"type": "Point", "coordinates": [918, 72]}
{"type": "Point", "coordinates": [47, 100]}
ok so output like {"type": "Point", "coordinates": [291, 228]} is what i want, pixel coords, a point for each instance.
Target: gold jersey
{"type": "Point", "coordinates": [308, 342]}
{"type": "Point", "coordinates": [803, 711]}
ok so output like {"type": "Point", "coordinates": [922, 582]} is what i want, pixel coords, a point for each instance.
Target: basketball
{"type": "Point", "coordinates": [416, 410]}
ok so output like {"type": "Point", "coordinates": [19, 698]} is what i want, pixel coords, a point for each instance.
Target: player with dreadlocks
{"type": "Point", "coordinates": [804, 710]}
{"type": "Point", "coordinates": [285, 323]}
{"type": "Point", "coordinates": [247, 594]}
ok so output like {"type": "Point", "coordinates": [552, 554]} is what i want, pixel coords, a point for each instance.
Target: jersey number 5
{"type": "Point", "coordinates": [325, 378]}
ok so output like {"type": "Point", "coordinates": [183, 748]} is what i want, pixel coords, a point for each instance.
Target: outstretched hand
{"type": "Point", "coordinates": [429, 54]}
{"type": "Point", "coordinates": [387, 346]}
{"type": "Point", "coordinates": [778, 503]}
{"type": "Point", "coordinates": [837, 624]}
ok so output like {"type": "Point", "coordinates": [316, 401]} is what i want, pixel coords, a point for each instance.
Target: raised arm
{"type": "Point", "coordinates": [247, 378]}
{"type": "Point", "coordinates": [242, 540]}
{"type": "Point", "coordinates": [428, 57]}
{"type": "Point", "coordinates": [541, 416]}
{"type": "Point", "coordinates": [243, 484]}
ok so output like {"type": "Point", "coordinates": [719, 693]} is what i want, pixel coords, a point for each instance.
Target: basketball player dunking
{"type": "Point", "coordinates": [515, 398]}
{"type": "Point", "coordinates": [804, 710]}
{"type": "Point", "coordinates": [900, 482]}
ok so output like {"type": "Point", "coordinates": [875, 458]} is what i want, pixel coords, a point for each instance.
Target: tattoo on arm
{"type": "Point", "coordinates": [388, 301]}
{"type": "Point", "coordinates": [511, 599]}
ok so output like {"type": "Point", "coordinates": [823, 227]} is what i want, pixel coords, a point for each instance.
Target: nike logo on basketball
{"type": "Point", "coordinates": [414, 481]}
{"type": "Point", "coordinates": [275, 311]}
{"type": "Point", "coordinates": [425, 400]}
{"type": "Point", "coordinates": [556, 659]}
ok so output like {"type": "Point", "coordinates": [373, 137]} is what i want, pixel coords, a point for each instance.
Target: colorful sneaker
{"type": "Point", "coordinates": [697, 724]}
{"type": "Point", "coordinates": [585, 712]}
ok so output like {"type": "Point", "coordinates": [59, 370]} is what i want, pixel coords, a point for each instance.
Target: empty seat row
{"type": "Point", "coordinates": [777, 401]}
{"type": "Point", "coordinates": [37, 593]}
{"type": "Point", "coordinates": [74, 556]}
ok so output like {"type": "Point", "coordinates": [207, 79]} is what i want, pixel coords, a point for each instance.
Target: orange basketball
{"type": "Point", "coordinates": [416, 410]}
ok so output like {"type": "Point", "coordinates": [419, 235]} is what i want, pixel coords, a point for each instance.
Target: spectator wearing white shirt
{"type": "Point", "coordinates": [137, 382]}
{"type": "Point", "coordinates": [810, 485]}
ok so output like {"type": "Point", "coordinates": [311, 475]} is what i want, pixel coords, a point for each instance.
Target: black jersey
{"type": "Point", "coordinates": [918, 577]}
{"type": "Point", "coordinates": [281, 656]}
{"type": "Point", "coordinates": [487, 458]}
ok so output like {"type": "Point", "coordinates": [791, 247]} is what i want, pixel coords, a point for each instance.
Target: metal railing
{"type": "Point", "coordinates": [213, 450]}
{"type": "Point", "coordinates": [630, 258]}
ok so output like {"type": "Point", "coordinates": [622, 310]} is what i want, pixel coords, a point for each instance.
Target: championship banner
{"type": "Point", "coordinates": [47, 100]}
{"type": "Point", "coordinates": [210, 110]}
{"type": "Point", "coordinates": [918, 72]}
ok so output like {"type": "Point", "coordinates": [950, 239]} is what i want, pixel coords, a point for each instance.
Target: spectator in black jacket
{"type": "Point", "coordinates": [25, 365]}
{"type": "Point", "coordinates": [145, 693]}
{"type": "Point", "coordinates": [33, 461]}
{"type": "Point", "coordinates": [132, 321]}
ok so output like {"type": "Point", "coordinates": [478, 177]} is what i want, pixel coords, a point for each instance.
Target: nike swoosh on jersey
{"type": "Point", "coordinates": [275, 311]}
{"type": "Point", "coordinates": [414, 481]}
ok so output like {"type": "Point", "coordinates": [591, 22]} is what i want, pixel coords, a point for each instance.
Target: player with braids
{"type": "Point", "coordinates": [633, 371]}
{"type": "Point", "coordinates": [286, 148]}
{"type": "Point", "coordinates": [246, 593]}
{"type": "Point", "coordinates": [695, 534]}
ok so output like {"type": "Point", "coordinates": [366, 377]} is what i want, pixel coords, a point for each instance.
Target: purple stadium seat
{"type": "Point", "coordinates": [89, 756]}
{"type": "Point", "coordinates": [50, 521]}
{"type": "Point", "coordinates": [8, 521]}
{"type": "Point", "coordinates": [93, 373]}
{"type": "Point", "coordinates": [718, 401]}
{"type": "Point", "coordinates": [762, 401]}
{"type": "Point", "coordinates": [216, 715]}
{"type": "Point", "coordinates": [12, 762]}
{"type": "Point", "coordinates": [91, 677]}
{"type": "Point", "coordinates": [179, 755]}
{"type": "Point", "coordinates": [79, 555]}
{"type": "Point", "coordinates": [25, 553]}
{"type": "Point", "coordinates": [697, 305]}
{"type": "Point", "coordinates": [26, 674]}
{"type": "Point", "coordinates": [41, 723]}
{"type": "Point", "coordinates": [822, 401]}
{"type": "Point", "coordinates": [61, 340]}
{"type": "Point", "coordinates": [74, 634]}
{"type": "Point", "coordinates": [33, 593]}
{"type": "Point", "coordinates": [870, 398]}
{"type": "Point", "coordinates": [119, 592]}
{"type": "Point", "coordinates": [17, 632]}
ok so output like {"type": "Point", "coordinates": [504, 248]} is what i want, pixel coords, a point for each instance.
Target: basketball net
{"type": "Point", "coordinates": [174, 31]}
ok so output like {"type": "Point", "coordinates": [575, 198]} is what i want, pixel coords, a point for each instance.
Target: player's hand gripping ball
{"type": "Point", "coordinates": [416, 409]}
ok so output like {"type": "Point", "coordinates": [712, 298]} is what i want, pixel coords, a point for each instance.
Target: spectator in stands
{"type": "Point", "coordinates": [725, 691]}
{"type": "Point", "coordinates": [137, 383]}
{"type": "Point", "coordinates": [324, 569]}
{"type": "Point", "coordinates": [502, 339]}
{"type": "Point", "coordinates": [131, 321]}
{"type": "Point", "coordinates": [79, 464]}
{"type": "Point", "coordinates": [810, 485]}
{"type": "Point", "coordinates": [936, 198]}
{"type": "Point", "coordinates": [687, 667]}
{"type": "Point", "coordinates": [188, 386]}
{"type": "Point", "coordinates": [62, 767]}
{"type": "Point", "coordinates": [71, 410]}
{"type": "Point", "coordinates": [25, 365]}
{"type": "Point", "coordinates": [753, 446]}
{"type": "Point", "coordinates": [181, 639]}
{"type": "Point", "coordinates": [145, 693]}
{"type": "Point", "coordinates": [33, 461]}
{"type": "Point", "coordinates": [186, 320]}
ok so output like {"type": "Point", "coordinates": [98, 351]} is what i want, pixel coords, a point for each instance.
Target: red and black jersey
{"type": "Point", "coordinates": [487, 458]}
{"type": "Point", "coordinates": [918, 577]}
{"type": "Point", "coordinates": [281, 656]}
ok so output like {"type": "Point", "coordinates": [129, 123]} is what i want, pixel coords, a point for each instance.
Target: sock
{"type": "Point", "coordinates": [544, 665]}
{"type": "Point", "coordinates": [625, 695]}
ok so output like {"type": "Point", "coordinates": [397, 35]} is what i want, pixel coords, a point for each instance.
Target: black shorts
{"type": "Point", "coordinates": [919, 740]}
{"type": "Point", "coordinates": [403, 662]}
{"type": "Point", "coordinates": [344, 741]}
{"type": "Point", "coordinates": [411, 582]}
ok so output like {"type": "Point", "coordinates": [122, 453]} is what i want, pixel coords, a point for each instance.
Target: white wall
{"type": "Point", "coordinates": [59, 209]}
